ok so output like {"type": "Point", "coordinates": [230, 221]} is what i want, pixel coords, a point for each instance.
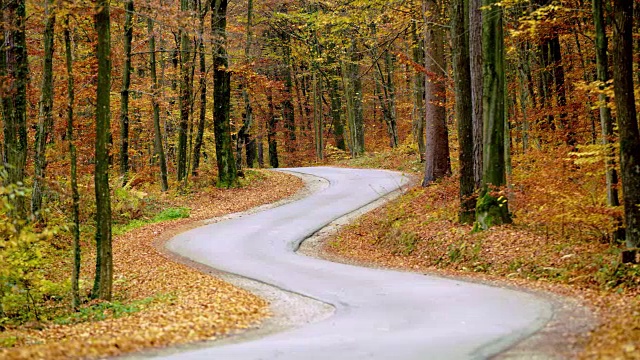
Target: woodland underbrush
{"type": "Point", "coordinates": [37, 320]}
{"type": "Point", "coordinates": [561, 240]}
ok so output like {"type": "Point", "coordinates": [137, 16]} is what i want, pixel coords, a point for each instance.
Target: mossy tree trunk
{"type": "Point", "coordinates": [227, 176]}
{"type": "Point", "coordinates": [104, 261]}
{"type": "Point", "coordinates": [627, 118]}
{"type": "Point", "coordinates": [492, 209]}
{"type": "Point", "coordinates": [45, 114]}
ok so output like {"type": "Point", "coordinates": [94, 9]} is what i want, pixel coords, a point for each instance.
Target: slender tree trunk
{"type": "Point", "coordinates": [159, 148]}
{"type": "Point", "coordinates": [45, 116]}
{"type": "Point", "coordinates": [75, 196]}
{"type": "Point", "coordinates": [606, 123]}
{"type": "Point", "coordinates": [336, 112]}
{"type": "Point", "coordinates": [14, 70]}
{"type": "Point", "coordinates": [475, 56]}
{"type": "Point", "coordinates": [227, 176]}
{"type": "Point", "coordinates": [287, 104]}
{"type": "Point", "coordinates": [463, 108]}
{"type": "Point", "coordinates": [627, 120]}
{"type": "Point", "coordinates": [355, 83]}
{"type": "Point", "coordinates": [124, 93]}
{"type": "Point", "coordinates": [491, 209]}
{"type": "Point", "coordinates": [185, 95]}
{"type": "Point", "coordinates": [437, 161]}
{"type": "Point", "coordinates": [197, 146]}
{"type": "Point", "coordinates": [318, 115]}
{"type": "Point", "coordinates": [104, 262]}
{"type": "Point", "coordinates": [272, 122]}
{"type": "Point", "coordinates": [244, 135]}
{"type": "Point", "coordinates": [418, 91]}
{"type": "Point", "coordinates": [392, 126]}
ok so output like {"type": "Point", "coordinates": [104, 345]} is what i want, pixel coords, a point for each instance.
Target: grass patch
{"type": "Point", "coordinates": [103, 310]}
{"type": "Point", "coordinates": [164, 215]}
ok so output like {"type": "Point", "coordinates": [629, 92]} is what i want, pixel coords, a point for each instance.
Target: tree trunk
{"type": "Point", "coordinates": [437, 161]}
{"type": "Point", "coordinates": [45, 116]}
{"type": "Point", "coordinates": [75, 196]}
{"type": "Point", "coordinates": [287, 104]}
{"type": "Point", "coordinates": [606, 123]}
{"type": "Point", "coordinates": [197, 146]}
{"type": "Point", "coordinates": [15, 71]}
{"type": "Point", "coordinates": [159, 148]}
{"type": "Point", "coordinates": [104, 262]}
{"type": "Point", "coordinates": [627, 118]}
{"type": "Point", "coordinates": [227, 176]}
{"type": "Point", "coordinates": [272, 123]}
{"type": "Point", "coordinates": [475, 56]}
{"type": "Point", "coordinates": [244, 135]}
{"type": "Point", "coordinates": [418, 91]}
{"type": "Point", "coordinates": [355, 84]}
{"type": "Point", "coordinates": [124, 93]}
{"type": "Point", "coordinates": [318, 115]}
{"type": "Point", "coordinates": [336, 112]}
{"type": "Point", "coordinates": [185, 95]}
{"type": "Point", "coordinates": [463, 108]}
{"type": "Point", "coordinates": [491, 209]}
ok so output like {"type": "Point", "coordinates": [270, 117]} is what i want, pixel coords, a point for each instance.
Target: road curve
{"type": "Point", "coordinates": [380, 314]}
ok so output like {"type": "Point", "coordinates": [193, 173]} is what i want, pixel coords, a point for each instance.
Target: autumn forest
{"type": "Point", "coordinates": [125, 121]}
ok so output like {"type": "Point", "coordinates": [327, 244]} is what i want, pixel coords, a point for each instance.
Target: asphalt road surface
{"type": "Point", "coordinates": [379, 314]}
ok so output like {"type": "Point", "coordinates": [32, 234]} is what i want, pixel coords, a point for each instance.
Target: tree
{"type": "Point", "coordinates": [627, 121]}
{"type": "Point", "coordinates": [104, 262]}
{"type": "Point", "coordinates": [45, 116]}
{"type": "Point", "coordinates": [157, 131]}
{"type": "Point", "coordinates": [124, 93]}
{"type": "Point", "coordinates": [417, 52]}
{"type": "Point", "coordinates": [15, 71]}
{"type": "Point", "coordinates": [492, 209]}
{"type": "Point", "coordinates": [475, 58]}
{"type": "Point", "coordinates": [197, 146]}
{"type": "Point", "coordinates": [606, 124]}
{"type": "Point", "coordinates": [463, 107]}
{"type": "Point", "coordinates": [75, 196]}
{"type": "Point", "coordinates": [437, 161]}
{"type": "Point", "coordinates": [227, 176]}
{"type": "Point", "coordinates": [185, 94]}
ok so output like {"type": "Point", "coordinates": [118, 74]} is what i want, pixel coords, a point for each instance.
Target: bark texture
{"type": "Point", "coordinates": [45, 114]}
{"type": "Point", "coordinates": [437, 161]}
{"type": "Point", "coordinates": [104, 260]}
{"type": "Point", "coordinates": [463, 107]}
{"type": "Point", "coordinates": [227, 176]}
{"type": "Point", "coordinates": [627, 118]}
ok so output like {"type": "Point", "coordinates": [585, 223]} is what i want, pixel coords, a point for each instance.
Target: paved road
{"type": "Point", "coordinates": [380, 314]}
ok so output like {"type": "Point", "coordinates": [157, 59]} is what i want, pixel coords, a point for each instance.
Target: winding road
{"type": "Point", "coordinates": [379, 314]}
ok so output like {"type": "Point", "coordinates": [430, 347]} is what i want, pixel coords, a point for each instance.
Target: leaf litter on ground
{"type": "Point", "coordinates": [158, 302]}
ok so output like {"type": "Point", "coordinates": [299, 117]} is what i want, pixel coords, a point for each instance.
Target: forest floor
{"type": "Point", "coordinates": [558, 242]}
{"type": "Point", "coordinates": [157, 302]}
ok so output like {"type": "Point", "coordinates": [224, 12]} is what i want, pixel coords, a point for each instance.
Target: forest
{"type": "Point", "coordinates": [124, 120]}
